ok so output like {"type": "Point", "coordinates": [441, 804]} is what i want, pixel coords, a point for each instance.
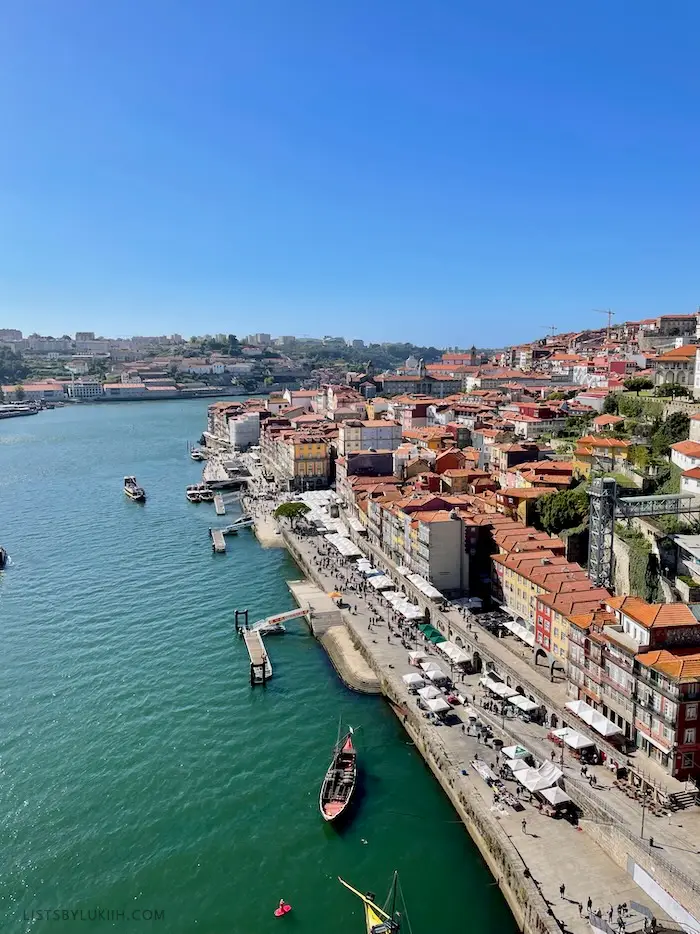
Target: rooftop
{"type": "Point", "coordinates": [678, 664]}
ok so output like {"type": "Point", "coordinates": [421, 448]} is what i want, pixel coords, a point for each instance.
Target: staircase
{"type": "Point", "coordinates": [680, 800]}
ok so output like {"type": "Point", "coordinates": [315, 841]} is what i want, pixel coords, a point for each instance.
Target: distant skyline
{"type": "Point", "coordinates": [440, 173]}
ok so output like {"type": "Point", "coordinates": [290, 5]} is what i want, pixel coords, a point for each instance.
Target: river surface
{"type": "Point", "coordinates": [138, 769]}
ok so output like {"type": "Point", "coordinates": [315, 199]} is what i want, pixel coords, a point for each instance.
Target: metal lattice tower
{"type": "Point", "coordinates": [603, 496]}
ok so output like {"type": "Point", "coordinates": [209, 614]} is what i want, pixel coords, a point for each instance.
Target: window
{"type": "Point", "coordinates": [691, 712]}
{"type": "Point", "coordinates": [689, 736]}
{"type": "Point", "coordinates": [556, 632]}
{"type": "Point", "coordinates": [687, 760]}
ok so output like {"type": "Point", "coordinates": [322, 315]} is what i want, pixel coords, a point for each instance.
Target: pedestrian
{"type": "Point", "coordinates": [589, 903]}
{"type": "Point", "coordinates": [463, 728]}
{"type": "Point", "coordinates": [523, 825]}
{"type": "Point", "coordinates": [610, 914]}
{"type": "Point", "coordinates": [580, 908]}
{"type": "Point", "coordinates": [552, 755]}
{"type": "Point", "coordinates": [562, 889]}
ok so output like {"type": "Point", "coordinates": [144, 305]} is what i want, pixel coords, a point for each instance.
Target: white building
{"type": "Point", "coordinates": [85, 389]}
{"type": "Point", "coordinates": [244, 430]}
{"type": "Point", "coordinates": [378, 434]}
{"type": "Point", "coordinates": [685, 454]}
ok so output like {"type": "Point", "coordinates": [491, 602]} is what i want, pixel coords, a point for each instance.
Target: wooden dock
{"type": "Point", "coordinates": [219, 505]}
{"type": "Point", "coordinates": [218, 542]}
{"type": "Point", "coordinates": [260, 667]}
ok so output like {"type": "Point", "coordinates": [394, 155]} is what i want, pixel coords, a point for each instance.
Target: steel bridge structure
{"type": "Point", "coordinates": [607, 507]}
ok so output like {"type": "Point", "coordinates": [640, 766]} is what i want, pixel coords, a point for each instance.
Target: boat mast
{"type": "Point", "coordinates": [393, 896]}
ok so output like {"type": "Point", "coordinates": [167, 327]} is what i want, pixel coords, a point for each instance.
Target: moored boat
{"type": "Point", "coordinates": [379, 920]}
{"type": "Point", "coordinates": [197, 455]}
{"type": "Point", "coordinates": [133, 490]}
{"type": "Point", "coordinates": [340, 779]}
{"type": "Point", "coordinates": [3, 558]}
{"type": "Point", "coordinates": [193, 494]}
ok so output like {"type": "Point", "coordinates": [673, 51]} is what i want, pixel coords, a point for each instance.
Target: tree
{"type": "Point", "coordinates": [638, 383]}
{"type": "Point", "coordinates": [639, 456]}
{"type": "Point", "coordinates": [564, 510]}
{"type": "Point", "coordinates": [20, 394]}
{"type": "Point", "coordinates": [675, 428]}
{"type": "Point", "coordinates": [629, 406]}
{"type": "Point", "coordinates": [672, 390]}
{"type": "Point", "coordinates": [12, 367]}
{"type": "Point", "coordinates": [234, 346]}
{"type": "Point", "coordinates": [610, 404]}
{"type": "Point", "coordinates": [291, 511]}
{"type": "Point", "coordinates": [269, 381]}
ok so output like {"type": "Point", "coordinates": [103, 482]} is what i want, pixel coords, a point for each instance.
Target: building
{"type": "Point", "coordinates": [85, 335]}
{"type": "Point", "coordinates": [520, 503]}
{"type": "Point", "coordinates": [374, 434]}
{"type": "Point", "coordinates": [675, 367]}
{"type": "Point", "coordinates": [685, 455]}
{"type": "Point", "coordinates": [39, 391]}
{"type": "Point", "coordinates": [439, 386]}
{"type": "Point", "coordinates": [10, 334]}
{"type": "Point", "coordinates": [85, 389]}
{"type": "Point", "coordinates": [606, 423]}
{"type": "Point", "coordinates": [298, 458]}
{"type": "Point", "coordinates": [260, 340]}
{"type": "Point", "coordinates": [599, 452]}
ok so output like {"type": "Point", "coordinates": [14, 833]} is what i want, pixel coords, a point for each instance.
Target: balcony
{"type": "Point", "coordinates": [647, 703]}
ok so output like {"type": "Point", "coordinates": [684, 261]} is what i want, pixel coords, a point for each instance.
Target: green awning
{"type": "Point", "coordinates": [431, 633]}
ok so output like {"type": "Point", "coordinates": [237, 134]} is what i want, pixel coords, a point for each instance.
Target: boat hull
{"type": "Point", "coordinates": [339, 783]}
{"type": "Point", "coordinates": [137, 497]}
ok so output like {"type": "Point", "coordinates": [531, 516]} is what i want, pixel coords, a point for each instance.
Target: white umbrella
{"type": "Point", "coordinates": [555, 795]}
{"type": "Point", "coordinates": [438, 705]}
{"type": "Point", "coordinates": [436, 675]}
{"type": "Point", "coordinates": [413, 680]}
{"type": "Point", "coordinates": [429, 693]}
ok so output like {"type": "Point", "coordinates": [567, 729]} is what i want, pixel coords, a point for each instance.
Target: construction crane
{"type": "Point", "coordinates": [552, 328]}
{"type": "Point", "coordinates": [610, 314]}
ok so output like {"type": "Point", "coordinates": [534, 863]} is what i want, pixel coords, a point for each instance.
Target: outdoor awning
{"type": "Point", "coordinates": [516, 765]}
{"type": "Point", "coordinates": [413, 679]}
{"type": "Point", "coordinates": [454, 653]}
{"type": "Point", "coordinates": [424, 586]}
{"type": "Point", "coordinates": [415, 658]}
{"type": "Point", "coordinates": [521, 632]}
{"type": "Point", "coordinates": [430, 666]}
{"type": "Point", "coordinates": [429, 692]}
{"type": "Point", "coordinates": [522, 703]}
{"type": "Point", "coordinates": [591, 716]}
{"type": "Point", "coordinates": [438, 705]}
{"type": "Point", "coordinates": [539, 779]}
{"type": "Point", "coordinates": [431, 633]}
{"type": "Point", "coordinates": [555, 795]}
{"type": "Point", "coordinates": [515, 752]}
{"type": "Point", "coordinates": [346, 548]}
{"type": "Point", "coordinates": [437, 675]}
{"type": "Point", "coordinates": [498, 687]}
{"type": "Point", "coordinates": [380, 582]}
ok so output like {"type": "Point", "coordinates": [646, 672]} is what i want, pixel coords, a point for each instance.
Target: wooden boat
{"type": "Point", "coordinates": [340, 779]}
{"type": "Point", "coordinates": [379, 920]}
{"type": "Point", "coordinates": [133, 490]}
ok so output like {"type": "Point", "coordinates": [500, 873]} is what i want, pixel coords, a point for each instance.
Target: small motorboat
{"type": "Point", "coordinates": [197, 455]}
{"type": "Point", "coordinates": [3, 558]}
{"type": "Point", "coordinates": [340, 779]}
{"type": "Point", "coordinates": [193, 494]}
{"type": "Point", "coordinates": [206, 495]}
{"type": "Point", "coordinates": [133, 490]}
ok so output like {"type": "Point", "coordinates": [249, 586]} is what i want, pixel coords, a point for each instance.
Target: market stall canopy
{"type": "Point", "coordinates": [425, 587]}
{"type": "Point", "coordinates": [555, 795]}
{"type": "Point", "coordinates": [430, 665]}
{"type": "Point", "coordinates": [432, 634]}
{"type": "Point", "coordinates": [415, 658]}
{"type": "Point", "coordinates": [591, 716]}
{"type": "Point", "coordinates": [437, 675]}
{"type": "Point", "coordinates": [517, 765]}
{"type": "Point", "coordinates": [515, 752]}
{"type": "Point", "coordinates": [413, 680]}
{"type": "Point", "coordinates": [380, 581]}
{"type": "Point", "coordinates": [498, 687]}
{"type": "Point", "coordinates": [522, 703]}
{"type": "Point", "coordinates": [454, 653]}
{"type": "Point", "coordinates": [572, 738]}
{"type": "Point", "coordinates": [342, 544]}
{"type": "Point", "coordinates": [521, 632]}
{"type": "Point", "coordinates": [438, 705]}
{"type": "Point", "coordinates": [429, 693]}
{"type": "Point", "coordinates": [539, 779]}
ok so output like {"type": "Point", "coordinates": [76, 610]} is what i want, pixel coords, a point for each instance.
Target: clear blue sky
{"type": "Point", "coordinates": [443, 172]}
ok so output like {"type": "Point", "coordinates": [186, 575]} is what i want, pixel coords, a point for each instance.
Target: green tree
{"type": "Point", "coordinates": [12, 367]}
{"type": "Point", "coordinates": [675, 428]}
{"type": "Point", "coordinates": [20, 394]}
{"type": "Point", "coordinates": [234, 346]}
{"type": "Point", "coordinates": [629, 406]}
{"type": "Point", "coordinates": [610, 404]}
{"type": "Point", "coordinates": [564, 510]}
{"type": "Point", "coordinates": [671, 390]}
{"type": "Point", "coordinates": [639, 456]}
{"type": "Point", "coordinates": [269, 381]}
{"type": "Point", "coordinates": [291, 511]}
{"type": "Point", "coordinates": [638, 383]}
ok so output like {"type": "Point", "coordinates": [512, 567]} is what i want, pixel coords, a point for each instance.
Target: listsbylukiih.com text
{"type": "Point", "coordinates": [94, 914]}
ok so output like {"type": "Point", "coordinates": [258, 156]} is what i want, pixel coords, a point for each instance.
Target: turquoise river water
{"type": "Point", "coordinates": [138, 769]}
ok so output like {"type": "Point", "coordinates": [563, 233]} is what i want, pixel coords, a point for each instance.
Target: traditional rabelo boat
{"type": "Point", "coordinates": [378, 920]}
{"type": "Point", "coordinates": [340, 779]}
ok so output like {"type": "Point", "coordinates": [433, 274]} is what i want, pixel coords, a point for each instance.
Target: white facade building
{"type": "Point", "coordinates": [85, 389]}
{"type": "Point", "coordinates": [244, 430]}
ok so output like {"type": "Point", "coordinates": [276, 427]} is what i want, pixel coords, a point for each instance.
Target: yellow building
{"type": "Point", "coordinates": [599, 453]}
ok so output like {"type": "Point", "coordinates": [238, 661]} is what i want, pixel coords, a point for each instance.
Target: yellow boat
{"type": "Point", "coordinates": [377, 920]}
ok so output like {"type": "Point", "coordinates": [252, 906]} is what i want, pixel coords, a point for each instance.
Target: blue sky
{"type": "Point", "coordinates": [442, 172]}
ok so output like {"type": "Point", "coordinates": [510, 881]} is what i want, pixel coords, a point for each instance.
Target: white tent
{"type": "Point", "coordinates": [521, 632]}
{"type": "Point", "coordinates": [429, 665]}
{"type": "Point", "coordinates": [555, 795]}
{"type": "Point", "coordinates": [437, 675]}
{"type": "Point", "coordinates": [515, 752]}
{"type": "Point", "coordinates": [415, 658]}
{"type": "Point", "coordinates": [498, 687]}
{"type": "Point", "coordinates": [572, 738]}
{"type": "Point", "coordinates": [522, 703]}
{"type": "Point", "coordinates": [438, 705]}
{"type": "Point", "coordinates": [413, 680]}
{"type": "Point", "coordinates": [591, 716]}
{"type": "Point", "coordinates": [380, 581]}
{"type": "Point", "coordinates": [453, 652]}
{"type": "Point", "coordinates": [516, 765]}
{"type": "Point", "coordinates": [539, 779]}
{"type": "Point", "coordinates": [425, 587]}
{"type": "Point", "coordinates": [347, 548]}
{"type": "Point", "coordinates": [429, 693]}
